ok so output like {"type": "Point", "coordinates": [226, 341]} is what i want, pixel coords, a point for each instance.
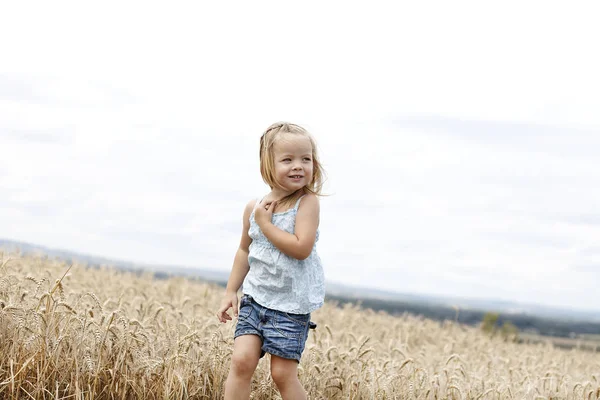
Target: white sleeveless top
{"type": "Point", "coordinates": [278, 281]}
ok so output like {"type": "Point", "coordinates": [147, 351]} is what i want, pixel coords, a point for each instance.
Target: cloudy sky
{"type": "Point", "coordinates": [461, 139]}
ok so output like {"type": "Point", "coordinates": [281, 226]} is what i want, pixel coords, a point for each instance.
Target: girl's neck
{"type": "Point", "coordinates": [280, 194]}
{"type": "Point", "coordinates": [285, 200]}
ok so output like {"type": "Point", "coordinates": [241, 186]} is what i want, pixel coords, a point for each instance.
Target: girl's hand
{"type": "Point", "coordinates": [264, 212]}
{"type": "Point", "coordinates": [230, 300]}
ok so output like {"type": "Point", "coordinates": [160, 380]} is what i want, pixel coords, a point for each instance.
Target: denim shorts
{"type": "Point", "coordinates": [282, 334]}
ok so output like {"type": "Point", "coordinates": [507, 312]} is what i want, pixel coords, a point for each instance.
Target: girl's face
{"type": "Point", "coordinates": [293, 161]}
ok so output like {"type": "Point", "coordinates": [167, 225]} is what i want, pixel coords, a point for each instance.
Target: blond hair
{"type": "Point", "coordinates": [267, 159]}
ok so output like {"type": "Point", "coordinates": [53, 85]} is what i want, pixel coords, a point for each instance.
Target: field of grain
{"type": "Point", "coordinates": [71, 332]}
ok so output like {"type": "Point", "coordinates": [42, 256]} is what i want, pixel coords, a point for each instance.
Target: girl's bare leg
{"type": "Point", "coordinates": [246, 353]}
{"type": "Point", "coordinates": [285, 374]}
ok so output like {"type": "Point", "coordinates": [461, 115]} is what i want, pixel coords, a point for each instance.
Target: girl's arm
{"type": "Point", "coordinates": [298, 245]}
{"type": "Point", "coordinates": [239, 270]}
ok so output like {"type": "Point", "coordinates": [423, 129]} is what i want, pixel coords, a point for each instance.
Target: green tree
{"type": "Point", "coordinates": [488, 325]}
{"type": "Point", "coordinates": [509, 331]}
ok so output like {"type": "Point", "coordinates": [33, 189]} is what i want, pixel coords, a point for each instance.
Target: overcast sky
{"type": "Point", "coordinates": [461, 139]}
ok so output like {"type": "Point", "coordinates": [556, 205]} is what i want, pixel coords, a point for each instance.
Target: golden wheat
{"type": "Point", "coordinates": [97, 333]}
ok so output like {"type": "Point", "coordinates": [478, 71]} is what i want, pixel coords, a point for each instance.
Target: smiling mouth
{"type": "Point", "coordinates": [296, 176]}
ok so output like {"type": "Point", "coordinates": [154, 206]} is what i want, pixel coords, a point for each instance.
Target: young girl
{"type": "Point", "coordinates": [277, 263]}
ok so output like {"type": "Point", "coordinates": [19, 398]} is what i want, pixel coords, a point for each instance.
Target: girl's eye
{"type": "Point", "coordinates": [286, 160]}
{"type": "Point", "coordinates": [307, 159]}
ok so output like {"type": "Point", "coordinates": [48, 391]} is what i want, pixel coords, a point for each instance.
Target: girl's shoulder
{"type": "Point", "coordinates": [252, 203]}
{"type": "Point", "coordinates": [308, 202]}
{"type": "Point", "coordinates": [308, 198]}
{"type": "Point", "coordinates": [250, 208]}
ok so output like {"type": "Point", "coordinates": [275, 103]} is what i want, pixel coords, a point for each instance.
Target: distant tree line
{"type": "Point", "coordinates": [507, 322]}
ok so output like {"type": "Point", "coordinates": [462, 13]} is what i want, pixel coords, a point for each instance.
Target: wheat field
{"type": "Point", "coordinates": [72, 332]}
